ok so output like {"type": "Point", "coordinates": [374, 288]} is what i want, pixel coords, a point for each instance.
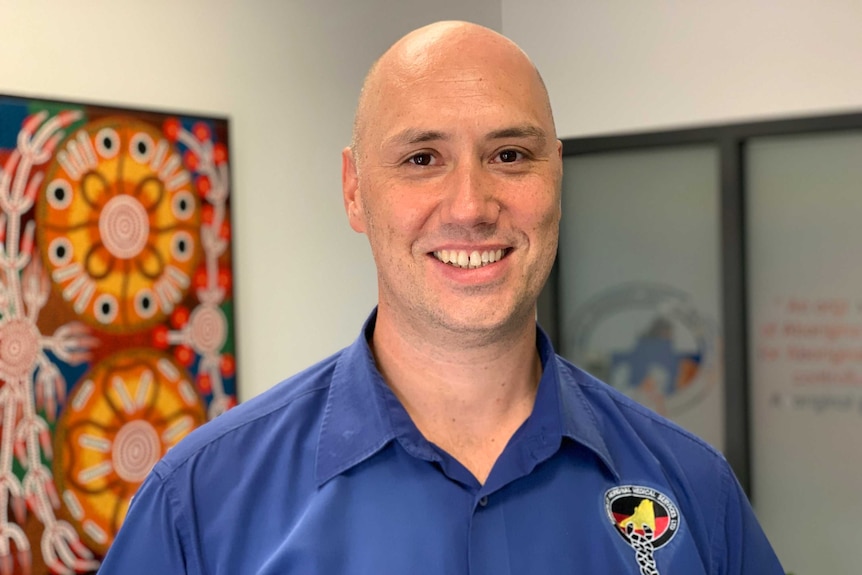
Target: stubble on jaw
{"type": "Point", "coordinates": [422, 317]}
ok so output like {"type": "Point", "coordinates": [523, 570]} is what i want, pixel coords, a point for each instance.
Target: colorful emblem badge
{"type": "Point", "coordinates": [646, 519]}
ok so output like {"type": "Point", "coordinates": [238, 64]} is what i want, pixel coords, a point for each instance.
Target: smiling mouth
{"type": "Point", "coordinates": [470, 260]}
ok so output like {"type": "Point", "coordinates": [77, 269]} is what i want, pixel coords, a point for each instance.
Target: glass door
{"type": "Point", "coordinates": [639, 284]}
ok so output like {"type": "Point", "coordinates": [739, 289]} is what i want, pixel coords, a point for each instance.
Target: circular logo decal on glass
{"type": "Point", "coordinates": [650, 342]}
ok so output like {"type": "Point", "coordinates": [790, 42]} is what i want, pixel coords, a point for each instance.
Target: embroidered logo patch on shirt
{"type": "Point", "coordinates": [646, 519]}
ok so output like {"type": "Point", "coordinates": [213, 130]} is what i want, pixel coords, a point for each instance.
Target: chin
{"type": "Point", "coordinates": [483, 323]}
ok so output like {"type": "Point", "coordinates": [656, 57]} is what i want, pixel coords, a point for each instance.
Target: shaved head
{"type": "Point", "coordinates": [434, 49]}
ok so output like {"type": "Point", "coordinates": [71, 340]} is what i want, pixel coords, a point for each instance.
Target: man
{"type": "Point", "coordinates": [449, 438]}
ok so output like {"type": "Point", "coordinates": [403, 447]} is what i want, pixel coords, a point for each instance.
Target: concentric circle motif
{"type": "Point", "coordinates": [208, 328]}
{"type": "Point", "coordinates": [119, 420]}
{"type": "Point", "coordinates": [19, 345]}
{"type": "Point", "coordinates": [135, 450]}
{"type": "Point", "coordinates": [124, 226]}
{"type": "Point", "coordinates": [120, 216]}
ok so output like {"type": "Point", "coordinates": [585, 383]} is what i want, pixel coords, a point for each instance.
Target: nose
{"type": "Point", "coordinates": [469, 199]}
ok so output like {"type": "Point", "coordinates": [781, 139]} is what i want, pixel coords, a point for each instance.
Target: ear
{"type": "Point", "coordinates": [559, 179]}
{"type": "Point", "coordinates": [350, 189]}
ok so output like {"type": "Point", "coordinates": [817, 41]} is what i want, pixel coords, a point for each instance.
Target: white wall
{"type": "Point", "coordinates": [628, 65]}
{"type": "Point", "coordinates": [287, 73]}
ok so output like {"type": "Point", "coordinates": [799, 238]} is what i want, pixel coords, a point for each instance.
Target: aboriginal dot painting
{"type": "Point", "coordinates": [116, 315]}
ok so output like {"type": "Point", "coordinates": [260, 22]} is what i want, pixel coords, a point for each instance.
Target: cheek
{"type": "Point", "coordinates": [544, 231]}
{"type": "Point", "coordinates": [397, 216]}
{"type": "Point", "coordinates": [541, 215]}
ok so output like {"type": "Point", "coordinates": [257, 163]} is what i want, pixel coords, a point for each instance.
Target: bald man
{"type": "Point", "coordinates": [449, 438]}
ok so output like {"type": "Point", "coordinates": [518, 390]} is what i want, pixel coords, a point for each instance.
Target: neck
{"type": "Point", "coordinates": [466, 397]}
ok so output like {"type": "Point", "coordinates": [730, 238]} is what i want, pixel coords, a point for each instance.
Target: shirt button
{"type": "Point", "coordinates": [483, 501]}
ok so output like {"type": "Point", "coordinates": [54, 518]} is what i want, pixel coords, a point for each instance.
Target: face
{"type": "Point", "coordinates": [458, 189]}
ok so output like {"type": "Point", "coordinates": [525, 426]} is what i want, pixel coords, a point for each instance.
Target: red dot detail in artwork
{"type": "Point", "coordinates": [201, 131]}
{"type": "Point", "coordinates": [171, 129]}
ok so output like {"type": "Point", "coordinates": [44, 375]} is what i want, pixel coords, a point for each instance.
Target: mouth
{"type": "Point", "coordinates": [470, 260]}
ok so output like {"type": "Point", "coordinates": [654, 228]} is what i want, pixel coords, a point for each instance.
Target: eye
{"type": "Point", "coordinates": [509, 156]}
{"type": "Point", "coordinates": [107, 142]}
{"type": "Point", "coordinates": [105, 308]}
{"type": "Point", "coordinates": [141, 147]}
{"type": "Point", "coordinates": [422, 159]}
{"type": "Point", "coordinates": [144, 304]}
{"type": "Point", "coordinates": [59, 194]}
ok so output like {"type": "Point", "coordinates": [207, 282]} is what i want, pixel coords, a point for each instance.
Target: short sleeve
{"type": "Point", "coordinates": [149, 540]}
{"type": "Point", "coordinates": [746, 549]}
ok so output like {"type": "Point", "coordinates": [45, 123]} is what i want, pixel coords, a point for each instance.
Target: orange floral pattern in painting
{"type": "Point", "coordinates": [116, 315]}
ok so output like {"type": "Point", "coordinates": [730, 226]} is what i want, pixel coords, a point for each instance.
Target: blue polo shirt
{"type": "Point", "coordinates": [326, 474]}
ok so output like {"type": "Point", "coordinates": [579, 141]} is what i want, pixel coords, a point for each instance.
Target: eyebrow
{"type": "Point", "coordinates": [415, 136]}
{"type": "Point", "coordinates": [412, 136]}
{"type": "Point", "coordinates": [525, 131]}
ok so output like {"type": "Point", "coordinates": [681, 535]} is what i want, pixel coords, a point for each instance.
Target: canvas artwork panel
{"type": "Point", "coordinates": [116, 314]}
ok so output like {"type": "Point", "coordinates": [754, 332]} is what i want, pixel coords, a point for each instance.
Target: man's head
{"type": "Point", "coordinates": [454, 174]}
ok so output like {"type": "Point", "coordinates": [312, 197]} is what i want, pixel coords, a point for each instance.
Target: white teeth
{"type": "Point", "coordinates": [472, 260]}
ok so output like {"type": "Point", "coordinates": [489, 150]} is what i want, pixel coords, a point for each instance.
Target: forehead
{"type": "Point", "coordinates": [466, 83]}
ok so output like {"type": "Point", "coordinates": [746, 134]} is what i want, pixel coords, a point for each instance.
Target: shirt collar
{"type": "Point", "coordinates": [357, 423]}
{"type": "Point", "coordinates": [579, 421]}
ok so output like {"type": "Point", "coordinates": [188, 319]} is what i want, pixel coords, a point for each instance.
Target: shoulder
{"type": "Point", "coordinates": [642, 442]}
{"type": "Point", "coordinates": [647, 449]}
{"type": "Point", "coordinates": [291, 405]}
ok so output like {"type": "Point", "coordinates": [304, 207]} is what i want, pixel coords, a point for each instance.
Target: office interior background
{"type": "Point", "coordinates": [287, 74]}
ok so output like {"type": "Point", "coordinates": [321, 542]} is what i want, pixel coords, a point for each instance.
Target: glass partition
{"type": "Point", "coordinates": [639, 279]}
{"type": "Point", "coordinates": [804, 208]}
